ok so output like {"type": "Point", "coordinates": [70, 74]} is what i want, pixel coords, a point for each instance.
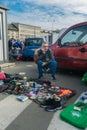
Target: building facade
{"type": "Point", "coordinates": [12, 31]}
{"type": "Point", "coordinates": [22, 31]}
{"type": "Point", "coordinates": [3, 35]}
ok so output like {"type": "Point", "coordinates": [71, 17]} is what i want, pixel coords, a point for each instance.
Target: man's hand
{"type": "Point", "coordinates": [44, 63]}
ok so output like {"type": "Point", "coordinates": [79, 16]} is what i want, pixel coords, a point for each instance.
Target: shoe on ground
{"type": "Point", "coordinates": [47, 103]}
{"type": "Point", "coordinates": [43, 105]}
{"type": "Point", "coordinates": [54, 107]}
{"type": "Point", "coordinates": [39, 77]}
{"type": "Point", "coordinates": [53, 77]}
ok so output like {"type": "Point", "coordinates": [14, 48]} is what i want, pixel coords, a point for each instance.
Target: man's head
{"type": "Point", "coordinates": [45, 46]}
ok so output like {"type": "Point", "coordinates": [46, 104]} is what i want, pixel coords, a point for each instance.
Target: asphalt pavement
{"type": "Point", "coordinates": [28, 115]}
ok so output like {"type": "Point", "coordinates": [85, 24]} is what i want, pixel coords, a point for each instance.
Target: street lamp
{"type": "Point", "coordinates": [52, 31]}
{"type": "Point", "coordinates": [53, 24]}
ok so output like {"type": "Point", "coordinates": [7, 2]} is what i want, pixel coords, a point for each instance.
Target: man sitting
{"type": "Point", "coordinates": [46, 59]}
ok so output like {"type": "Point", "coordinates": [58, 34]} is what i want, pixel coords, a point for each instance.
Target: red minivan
{"type": "Point", "coordinates": [70, 50]}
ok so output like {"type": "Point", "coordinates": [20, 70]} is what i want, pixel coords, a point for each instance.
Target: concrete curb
{"type": "Point", "coordinates": [6, 65]}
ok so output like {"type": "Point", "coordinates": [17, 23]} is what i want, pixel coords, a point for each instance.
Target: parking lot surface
{"type": "Point", "coordinates": [29, 115]}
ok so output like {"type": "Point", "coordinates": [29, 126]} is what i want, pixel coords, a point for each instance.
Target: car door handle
{"type": "Point", "coordinates": [83, 50]}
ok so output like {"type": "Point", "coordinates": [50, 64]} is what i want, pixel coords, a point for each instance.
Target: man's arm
{"type": "Point", "coordinates": [49, 56]}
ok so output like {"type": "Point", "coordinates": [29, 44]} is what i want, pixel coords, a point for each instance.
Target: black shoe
{"type": "Point", "coordinates": [43, 105]}
{"type": "Point", "coordinates": [39, 77]}
{"type": "Point", "coordinates": [54, 107]}
{"type": "Point", "coordinates": [47, 103]}
{"type": "Point", "coordinates": [53, 77]}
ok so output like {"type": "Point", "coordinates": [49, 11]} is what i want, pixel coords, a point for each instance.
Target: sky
{"type": "Point", "coordinates": [48, 14]}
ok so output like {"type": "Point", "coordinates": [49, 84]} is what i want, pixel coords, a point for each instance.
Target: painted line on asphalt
{"type": "Point", "coordinates": [58, 124]}
{"type": "Point", "coordinates": [29, 65]}
{"type": "Point", "coordinates": [10, 108]}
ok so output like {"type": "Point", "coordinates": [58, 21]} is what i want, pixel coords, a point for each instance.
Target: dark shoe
{"type": "Point", "coordinates": [47, 103]}
{"type": "Point", "coordinates": [43, 105]}
{"type": "Point", "coordinates": [39, 77]}
{"type": "Point", "coordinates": [54, 107]}
{"type": "Point", "coordinates": [53, 77]}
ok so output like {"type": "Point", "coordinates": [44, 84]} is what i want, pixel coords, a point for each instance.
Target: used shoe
{"type": "Point", "coordinates": [47, 103]}
{"type": "Point", "coordinates": [39, 77]}
{"type": "Point", "coordinates": [53, 77]}
{"type": "Point", "coordinates": [54, 107]}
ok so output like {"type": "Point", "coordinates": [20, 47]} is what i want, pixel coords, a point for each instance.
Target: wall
{"type": "Point", "coordinates": [3, 36]}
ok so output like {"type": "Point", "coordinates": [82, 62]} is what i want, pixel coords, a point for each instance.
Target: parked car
{"type": "Point", "coordinates": [30, 45]}
{"type": "Point", "coordinates": [70, 50]}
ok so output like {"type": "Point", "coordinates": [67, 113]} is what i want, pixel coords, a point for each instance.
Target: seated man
{"type": "Point", "coordinates": [46, 58]}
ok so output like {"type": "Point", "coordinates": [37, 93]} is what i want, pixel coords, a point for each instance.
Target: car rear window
{"type": "Point", "coordinates": [34, 42]}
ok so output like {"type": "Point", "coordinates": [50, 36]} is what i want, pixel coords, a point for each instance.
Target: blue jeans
{"type": "Point", "coordinates": [52, 65]}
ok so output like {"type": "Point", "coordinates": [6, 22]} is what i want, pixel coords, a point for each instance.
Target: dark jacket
{"type": "Point", "coordinates": [47, 57]}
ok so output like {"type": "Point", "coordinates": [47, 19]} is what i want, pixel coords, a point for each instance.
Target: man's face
{"type": "Point", "coordinates": [45, 46]}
